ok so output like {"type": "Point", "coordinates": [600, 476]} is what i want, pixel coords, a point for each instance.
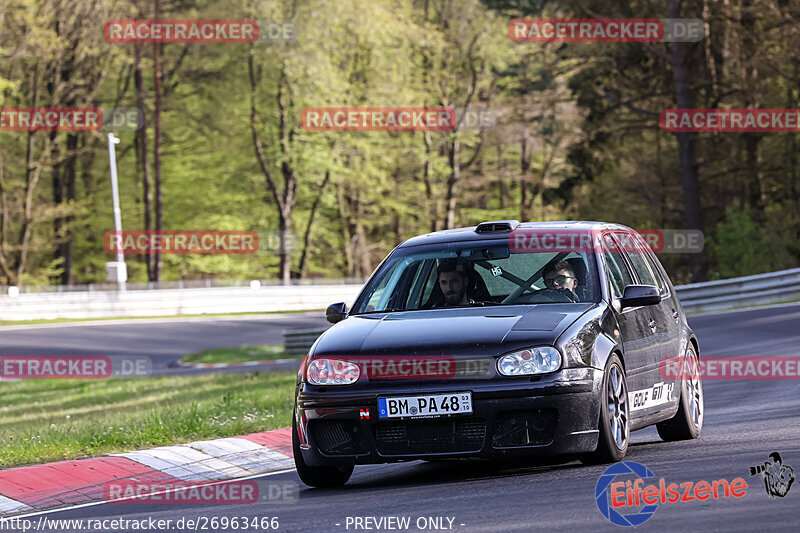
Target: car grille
{"type": "Point", "coordinates": [336, 437]}
{"type": "Point", "coordinates": [419, 437]}
{"type": "Point", "coordinates": [525, 428]}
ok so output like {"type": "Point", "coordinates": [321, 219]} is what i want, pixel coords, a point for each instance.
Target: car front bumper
{"type": "Point", "coordinates": [553, 415]}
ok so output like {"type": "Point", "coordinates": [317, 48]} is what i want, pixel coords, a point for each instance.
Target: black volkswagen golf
{"type": "Point", "coordinates": [501, 340]}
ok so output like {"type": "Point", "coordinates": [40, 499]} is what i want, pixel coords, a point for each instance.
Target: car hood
{"type": "Point", "coordinates": [457, 331]}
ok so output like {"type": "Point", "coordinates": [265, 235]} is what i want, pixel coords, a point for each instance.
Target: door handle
{"type": "Point", "coordinates": [675, 315]}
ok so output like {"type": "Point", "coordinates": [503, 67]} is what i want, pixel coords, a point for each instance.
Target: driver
{"type": "Point", "coordinates": [559, 276]}
{"type": "Point", "coordinates": [453, 283]}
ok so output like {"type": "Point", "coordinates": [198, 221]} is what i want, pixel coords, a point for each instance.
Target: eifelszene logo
{"type": "Point", "coordinates": [778, 477]}
{"type": "Point", "coordinates": [614, 497]}
{"type": "Point", "coordinates": [605, 501]}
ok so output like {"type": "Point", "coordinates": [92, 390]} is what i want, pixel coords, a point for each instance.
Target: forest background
{"type": "Point", "coordinates": [575, 133]}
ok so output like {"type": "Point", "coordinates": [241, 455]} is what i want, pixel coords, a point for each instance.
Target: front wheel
{"type": "Point", "coordinates": [688, 421]}
{"type": "Point", "coordinates": [317, 476]}
{"type": "Point", "coordinates": [614, 423]}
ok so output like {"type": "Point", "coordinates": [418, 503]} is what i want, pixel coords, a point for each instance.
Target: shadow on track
{"type": "Point", "coordinates": [447, 471]}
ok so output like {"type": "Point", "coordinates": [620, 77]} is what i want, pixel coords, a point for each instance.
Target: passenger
{"type": "Point", "coordinates": [560, 276]}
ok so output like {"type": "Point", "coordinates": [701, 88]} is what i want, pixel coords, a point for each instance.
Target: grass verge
{"type": "Point", "coordinates": [266, 352]}
{"type": "Point", "coordinates": [51, 420]}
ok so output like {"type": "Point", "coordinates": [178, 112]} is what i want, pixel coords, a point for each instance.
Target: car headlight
{"type": "Point", "coordinates": [530, 361]}
{"type": "Point", "coordinates": [325, 371]}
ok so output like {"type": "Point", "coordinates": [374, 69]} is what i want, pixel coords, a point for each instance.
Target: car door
{"type": "Point", "coordinates": [666, 334]}
{"type": "Point", "coordinates": [636, 325]}
{"type": "Point", "coordinates": [671, 311]}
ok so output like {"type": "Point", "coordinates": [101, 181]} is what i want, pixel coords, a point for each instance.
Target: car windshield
{"type": "Point", "coordinates": [477, 274]}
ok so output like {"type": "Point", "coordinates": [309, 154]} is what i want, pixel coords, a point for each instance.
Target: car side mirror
{"type": "Point", "coordinates": [336, 312]}
{"type": "Point", "coordinates": [638, 295]}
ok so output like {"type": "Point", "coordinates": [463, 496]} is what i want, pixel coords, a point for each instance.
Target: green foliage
{"type": "Point", "coordinates": [742, 247]}
{"type": "Point", "coordinates": [585, 114]}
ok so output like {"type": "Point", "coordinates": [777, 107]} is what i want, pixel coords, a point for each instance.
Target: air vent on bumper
{"type": "Point", "coordinates": [525, 428]}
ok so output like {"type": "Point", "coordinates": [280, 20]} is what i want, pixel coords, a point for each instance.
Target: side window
{"type": "Point", "coordinates": [636, 253]}
{"type": "Point", "coordinates": [645, 263]}
{"type": "Point", "coordinates": [662, 286]}
{"type": "Point", "coordinates": [381, 296]}
{"type": "Point", "coordinates": [430, 283]}
{"type": "Point", "coordinates": [618, 272]}
{"type": "Point", "coordinates": [421, 269]}
{"type": "Point", "coordinates": [642, 269]}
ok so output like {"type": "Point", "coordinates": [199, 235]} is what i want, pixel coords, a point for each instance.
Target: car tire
{"type": "Point", "coordinates": [688, 421]}
{"type": "Point", "coordinates": [317, 476]}
{"type": "Point", "coordinates": [614, 424]}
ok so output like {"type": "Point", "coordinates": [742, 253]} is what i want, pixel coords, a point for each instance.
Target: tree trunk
{"type": "Point", "coordinates": [289, 180]}
{"type": "Point", "coordinates": [58, 200]}
{"type": "Point", "coordinates": [752, 141]}
{"type": "Point", "coordinates": [524, 167]}
{"type": "Point", "coordinates": [284, 227]}
{"type": "Point", "coordinates": [157, 142]}
{"type": "Point", "coordinates": [286, 199]}
{"type": "Point", "coordinates": [360, 248]}
{"type": "Point", "coordinates": [341, 202]}
{"type": "Point", "coordinates": [427, 177]}
{"type": "Point", "coordinates": [70, 176]}
{"type": "Point", "coordinates": [7, 272]}
{"type": "Point", "coordinates": [502, 186]}
{"type": "Point", "coordinates": [58, 73]}
{"type": "Point", "coordinates": [32, 173]}
{"type": "Point", "coordinates": [453, 183]}
{"type": "Point", "coordinates": [143, 156]}
{"type": "Point", "coordinates": [687, 146]}
{"type": "Point", "coordinates": [301, 268]}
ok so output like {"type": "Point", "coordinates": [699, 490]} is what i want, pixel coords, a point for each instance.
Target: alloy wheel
{"type": "Point", "coordinates": [618, 407]}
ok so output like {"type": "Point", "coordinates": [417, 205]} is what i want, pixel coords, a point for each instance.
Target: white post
{"type": "Point", "coordinates": [120, 267]}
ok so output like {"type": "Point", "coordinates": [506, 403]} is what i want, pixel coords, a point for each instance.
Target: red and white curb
{"type": "Point", "coordinates": [38, 487]}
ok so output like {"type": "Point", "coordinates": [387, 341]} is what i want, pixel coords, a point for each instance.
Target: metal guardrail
{"type": "Point", "coordinates": [760, 289]}
{"type": "Point", "coordinates": [298, 341]}
{"type": "Point", "coordinates": [168, 302]}
{"type": "Point", "coordinates": [178, 284]}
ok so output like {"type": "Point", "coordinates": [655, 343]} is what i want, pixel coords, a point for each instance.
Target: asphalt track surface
{"type": "Point", "coordinates": [744, 422]}
{"type": "Point", "coordinates": [163, 340]}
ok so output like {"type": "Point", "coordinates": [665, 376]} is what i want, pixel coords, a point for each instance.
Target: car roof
{"type": "Point", "coordinates": [471, 234]}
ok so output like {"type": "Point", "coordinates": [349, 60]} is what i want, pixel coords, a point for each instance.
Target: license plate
{"type": "Point", "coordinates": [427, 405]}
